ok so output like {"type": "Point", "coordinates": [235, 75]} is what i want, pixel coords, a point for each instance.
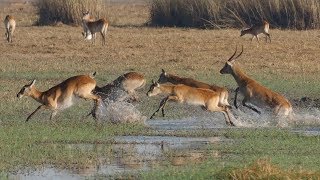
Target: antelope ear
{"type": "Point", "coordinates": [153, 82]}
{"type": "Point", "coordinates": [164, 72]}
{"type": "Point", "coordinates": [158, 85]}
{"type": "Point", "coordinates": [33, 82]}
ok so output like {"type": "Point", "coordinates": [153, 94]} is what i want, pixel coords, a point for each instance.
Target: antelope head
{"type": "Point", "coordinates": [227, 69]}
{"type": "Point", "coordinates": [154, 89]}
{"type": "Point", "coordinates": [85, 15]}
{"type": "Point", "coordinates": [163, 77]}
{"type": "Point", "coordinates": [26, 90]}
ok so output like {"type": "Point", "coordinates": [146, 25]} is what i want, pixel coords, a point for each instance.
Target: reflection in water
{"type": "Point", "coordinates": [129, 154]}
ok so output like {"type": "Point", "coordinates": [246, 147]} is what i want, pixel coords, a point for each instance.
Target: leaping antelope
{"type": "Point", "coordinates": [91, 27]}
{"type": "Point", "coordinates": [223, 92]}
{"type": "Point", "coordinates": [128, 82]}
{"type": "Point", "coordinates": [207, 99]}
{"type": "Point", "coordinates": [254, 92]}
{"type": "Point", "coordinates": [256, 30]}
{"type": "Point", "coordinates": [10, 25]}
{"type": "Point", "coordinates": [62, 95]}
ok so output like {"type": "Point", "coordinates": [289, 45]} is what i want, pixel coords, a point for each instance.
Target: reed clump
{"type": "Point", "coordinates": [68, 11]}
{"type": "Point", "coordinates": [292, 14]}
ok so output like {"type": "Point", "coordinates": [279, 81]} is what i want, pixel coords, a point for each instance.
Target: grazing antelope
{"type": "Point", "coordinates": [256, 30]}
{"type": "Point", "coordinates": [254, 92]}
{"type": "Point", "coordinates": [207, 99]}
{"type": "Point", "coordinates": [91, 27]}
{"type": "Point", "coordinates": [62, 95]}
{"type": "Point", "coordinates": [223, 92]}
{"type": "Point", "coordinates": [10, 25]}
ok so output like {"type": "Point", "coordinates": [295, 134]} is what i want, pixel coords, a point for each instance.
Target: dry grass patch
{"type": "Point", "coordinates": [264, 169]}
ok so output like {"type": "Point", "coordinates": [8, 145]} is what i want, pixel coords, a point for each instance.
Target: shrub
{"type": "Point", "coordinates": [67, 11]}
{"type": "Point", "coordinates": [296, 14]}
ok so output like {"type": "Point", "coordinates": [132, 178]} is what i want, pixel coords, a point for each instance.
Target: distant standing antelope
{"type": "Point", "coordinates": [10, 25]}
{"type": "Point", "coordinates": [223, 92]}
{"type": "Point", "coordinates": [254, 92]}
{"type": "Point", "coordinates": [207, 99]}
{"type": "Point", "coordinates": [62, 95]}
{"type": "Point", "coordinates": [92, 27]}
{"type": "Point", "coordinates": [256, 30]}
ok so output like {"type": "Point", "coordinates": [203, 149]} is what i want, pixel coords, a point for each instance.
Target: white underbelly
{"type": "Point", "coordinates": [67, 102]}
{"type": "Point", "coordinates": [195, 102]}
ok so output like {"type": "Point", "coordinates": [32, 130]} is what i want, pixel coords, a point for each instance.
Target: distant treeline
{"type": "Point", "coordinates": [293, 14]}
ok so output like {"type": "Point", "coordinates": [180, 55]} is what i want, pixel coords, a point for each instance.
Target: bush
{"type": "Point", "coordinates": [296, 14]}
{"type": "Point", "coordinates": [68, 11]}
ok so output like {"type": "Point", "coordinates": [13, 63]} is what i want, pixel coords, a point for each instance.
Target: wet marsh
{"type": "Point", "coordinates": [187, 142]}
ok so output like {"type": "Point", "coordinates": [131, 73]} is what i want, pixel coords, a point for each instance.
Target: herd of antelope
{"type": "Point", "coordinates": [178, 89]}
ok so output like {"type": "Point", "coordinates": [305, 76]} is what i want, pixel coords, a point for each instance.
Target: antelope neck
{"type": "Point", "coordinates": [240, 77]}
{"type": "Point", "coordinates": [37, 95]}
{"type": "Point", "coordinates": [174, 79]}
{"type": "Point", "coordinates": [167, 89]}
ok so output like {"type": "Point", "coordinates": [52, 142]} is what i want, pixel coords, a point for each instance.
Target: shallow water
{"type": "Point", "coordinates": [130, 154]}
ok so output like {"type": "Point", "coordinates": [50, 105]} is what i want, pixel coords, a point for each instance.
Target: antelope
{"type": "Point", "coordinates": [256, 30]}
{"type": "Point", "coordinates": [91, 27]}
{"type": "Point", "coordinates": [254, 92]}
{"type": "Point", "coordinates": [207, 99]}
{"type": "Point", "coordinates": [127, 82]}
{"type": "Point", "coordinates": [86, 33]}
{"type": "Point", "coordinates": [223, 92]}
{"type": "Point", "coordinates": [62, 95]}
{"type": "Point", "coordinates": [10, 25]}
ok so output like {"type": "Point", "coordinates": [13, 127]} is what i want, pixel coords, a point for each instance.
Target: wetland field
{"type": "Point", "coordinates": [188, 143]}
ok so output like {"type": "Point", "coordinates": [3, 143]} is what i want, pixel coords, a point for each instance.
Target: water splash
{"type": "Point", "coordinates": [116, 108]}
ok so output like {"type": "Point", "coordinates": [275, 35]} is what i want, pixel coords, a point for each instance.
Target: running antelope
{"type": "Point", "coordinates": [128, 82]}
{"type": "Point", "coordinates": [62, 95]}
{"type": "Point", "coordinates": [10, 25]}
{"type": "Point", "coordinates": [207, 99]}
{"type": "Point", "coordinates": [92, 27]}
{"type": "Point", "coordinates": [256, 30]}
{"type": "Point", "coordinates": [254, 92]}
{"type": "Point", "coordinates": [223, 92]}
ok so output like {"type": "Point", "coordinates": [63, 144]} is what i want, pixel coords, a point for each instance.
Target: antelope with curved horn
{"type": "Point", "coordinates": [62, 95]}
{"type": "Point", "coordinates": [253, 91]}
{"type": "Point", "coordinates": [256, 30]}
{"type": "Point", "coordinates": [207, 99]}
{"type": "Point", "coordinates": [223, 92]}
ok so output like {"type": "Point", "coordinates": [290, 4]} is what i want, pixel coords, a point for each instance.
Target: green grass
{"type": "Point", "coordinates": [286, 150]}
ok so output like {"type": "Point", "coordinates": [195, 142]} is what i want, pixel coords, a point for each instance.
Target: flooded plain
{"type": "Point", "coordinates": [131, 154]}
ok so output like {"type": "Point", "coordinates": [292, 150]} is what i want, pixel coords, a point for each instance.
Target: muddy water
{"type": "Point", "coordinates": [131, 154]}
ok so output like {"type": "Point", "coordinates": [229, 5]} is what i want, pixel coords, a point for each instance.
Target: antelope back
{"type": "Point", "coordinates": [132, 81]}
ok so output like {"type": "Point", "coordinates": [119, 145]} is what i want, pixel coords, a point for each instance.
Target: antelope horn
{"type": "Point", "coordinates": [233, 54]}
